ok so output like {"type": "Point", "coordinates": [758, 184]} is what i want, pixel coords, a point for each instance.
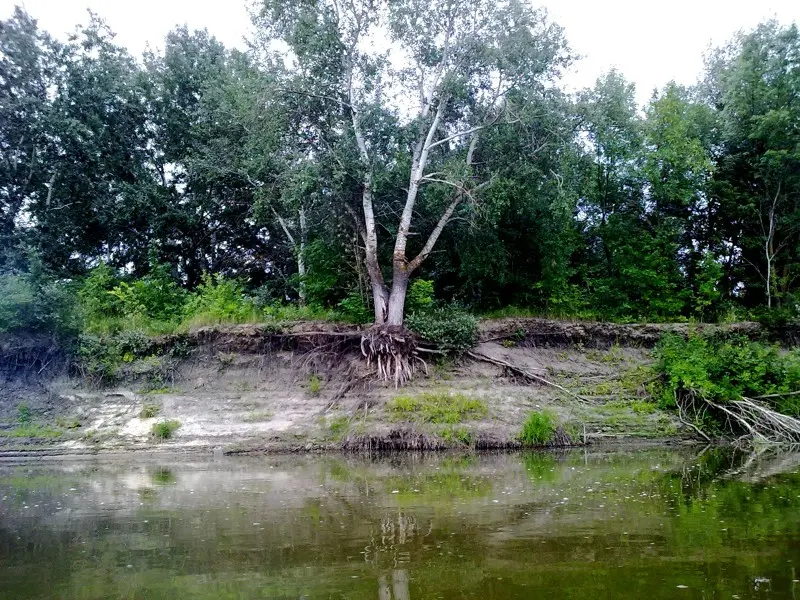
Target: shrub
{"type": "Point", "coordinates": [450, 328]}
{"type": "Point", "coordinates": [24, 414]}
{"type": "Point", "coordinates": [100, 357]}
{"type": "Point", "coordinates": [149, 411]}
{"type": "Point", "coordinates": [353, 308]}
{"type": "Point", "coordinates": [220, 300]}
{"type": "Point", "coordinates": [110, 304]}
{"type": "Point", "coordinates": [314, 385]}
{"type": "Point", "coordinates": [95, 293]}
{"type": "Point", "coordinates": [538, 429]}
{"type": "Point", "coordinates": [721, 370]}
{"type": "Point", "coordinates": [163, 430]}
{"type": "Point", "coordinates": [420, 296]}
{"type": "Point", "coordinates": [155, 296]}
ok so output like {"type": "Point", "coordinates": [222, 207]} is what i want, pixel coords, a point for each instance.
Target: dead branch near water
{"type": "Point", "coordinates": [759, 422]}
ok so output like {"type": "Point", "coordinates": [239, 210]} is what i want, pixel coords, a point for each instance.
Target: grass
{"type": "Point", "coordinates": [437, 407]}
{"type": "Point", "coordinates": [314, 385]}
{"type": "Point", "coordinates": [459, 435]}
{"type": "Point", "coordinates": [34, 430]}
{"type": "Point", "coordinates": [258, 416]}
{"type": "Point", "coordinates": [68, 422]}
{"type": "Point", "coordinates": [163, 430]}
{"type": "Point", "coordinates": [149, 411]}
{"type": "Point", "coordinates": [538, 429]}
{"type": "Point", "coordinates": [338, 426]}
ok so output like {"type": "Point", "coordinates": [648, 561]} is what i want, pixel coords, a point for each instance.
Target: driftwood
{"type": "Point", "coordinates": [758, 422]}
{"type": "Point", "coordinates": [525, 374]}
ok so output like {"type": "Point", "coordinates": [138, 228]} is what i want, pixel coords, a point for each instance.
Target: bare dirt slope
{"type": "Point", "coordinates": [237, 392]}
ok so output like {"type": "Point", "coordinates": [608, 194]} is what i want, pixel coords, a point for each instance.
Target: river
{"type": "Point", "coordinates": [647, 523]}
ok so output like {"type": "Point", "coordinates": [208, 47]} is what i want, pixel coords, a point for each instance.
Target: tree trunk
{"type": "Point", "coordinates": [301, 256]}
{"type": "Point", "coordinates": [397, 299]}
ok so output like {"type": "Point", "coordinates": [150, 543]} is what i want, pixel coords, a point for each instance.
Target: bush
{"type": "Point", "coordinates": [353, 308]}
{"type": "Point", "coordinates": [538, 429]}
{"type": "Point", "coordinates": [149, 411]}
{"type": "Point", "coordinates": [220, 300]}
{"type": "Point", "coordinates": [163, 430]}
{"type": "Point", "coordinates": [153, 303]}
{"type": "Point", "coordinates": [155, 296]}
{"type": "Point", "coordinates": [450, 328]}
{"type": "Point", "coordinates": [100, 357]}
{"type": "Point", "coordinates": [420, 296]}
{"type": "Point", "coordinates": [95, 293]}
{"type": "Point", "coordinates": [724, 370]}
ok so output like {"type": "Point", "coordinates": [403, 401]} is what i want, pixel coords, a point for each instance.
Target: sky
{"type": "Point", "coordinates": [650, 43]}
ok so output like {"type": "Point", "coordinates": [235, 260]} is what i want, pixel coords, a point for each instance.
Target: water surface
{"type": "Point", "coordinates": [637, 524]}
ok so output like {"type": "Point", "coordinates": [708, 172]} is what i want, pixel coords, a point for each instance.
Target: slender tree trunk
{"type": "Point", "coordinates": [301, 256]}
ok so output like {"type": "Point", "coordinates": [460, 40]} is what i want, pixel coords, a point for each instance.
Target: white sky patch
{"type": "Point", "coordinates": [650, 43]}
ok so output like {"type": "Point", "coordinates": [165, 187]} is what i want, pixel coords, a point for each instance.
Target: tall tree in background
{"type": "Point", "coordinates": [463, 63]}
{"type": "Point", "coordinates": [754, 84]}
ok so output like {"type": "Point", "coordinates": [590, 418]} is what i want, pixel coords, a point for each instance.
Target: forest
{"type": "Point", "coordinates": [368, 161]}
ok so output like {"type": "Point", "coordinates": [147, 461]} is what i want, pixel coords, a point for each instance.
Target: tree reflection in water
{"type": "Point", "coordinates": [399, 586]}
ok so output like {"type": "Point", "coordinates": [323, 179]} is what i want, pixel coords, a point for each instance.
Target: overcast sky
{"type": "Point", "coordinates": [649, 42]}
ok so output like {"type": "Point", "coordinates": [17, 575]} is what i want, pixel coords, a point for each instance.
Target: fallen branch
{"type": "Point", "coordinates": [690, 424]}
{"type": "Point", "coordinates": [781, 395]}
{"type": "Point", "coordinates": [526, 374]}
{"type": "Point", "coordinates": [758, 421]}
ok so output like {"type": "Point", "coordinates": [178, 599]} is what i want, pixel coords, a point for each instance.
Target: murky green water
{"type": "Point", "coordinates": [646, 524]}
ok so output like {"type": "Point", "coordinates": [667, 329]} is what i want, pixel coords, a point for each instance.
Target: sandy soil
{"type": "Point", "coordinates": [262, 399]}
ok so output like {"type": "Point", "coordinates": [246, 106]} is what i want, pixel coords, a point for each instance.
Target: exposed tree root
{"type": "Point", "coordinates": [745, 415]}
{"type": "Point", "coordinates": [393, 351]}
{"type": "Point", "coordinates": [525, 374]}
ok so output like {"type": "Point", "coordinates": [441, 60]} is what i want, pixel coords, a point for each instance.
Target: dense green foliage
{"type": "Point", "coordinates": [721, 370]}
{"type": "Point", "coordinates": [448, 327]}
{"type": "Point", "coordinates": [201, 185]}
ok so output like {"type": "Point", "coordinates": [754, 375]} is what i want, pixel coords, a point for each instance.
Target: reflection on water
{"type": "Point", "coordinates": [645, 524]}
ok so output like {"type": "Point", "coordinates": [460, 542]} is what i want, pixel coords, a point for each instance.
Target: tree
{"type": "Point", "coordinates": [467, 66]}
{"type": "Point", "coordinates": [752, 83]}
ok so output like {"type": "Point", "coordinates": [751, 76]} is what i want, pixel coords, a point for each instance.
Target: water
{"type": "Point", "coordinates": [645, 524]}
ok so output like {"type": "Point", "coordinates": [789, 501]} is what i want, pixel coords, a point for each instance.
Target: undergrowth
{"type": "Point", "coordinates": [539, 429]}
{"type": "Point", "coordinates": [725, 370]}
{"type": "Point", "coordinates": [163, 430]}
{"type": "Point", "coordinates": [437, 407]}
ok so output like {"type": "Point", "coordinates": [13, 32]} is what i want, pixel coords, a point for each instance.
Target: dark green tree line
{"type": "Point", "coordinates": [336, 171]}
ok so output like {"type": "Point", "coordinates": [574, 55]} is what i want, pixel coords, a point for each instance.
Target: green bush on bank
{"type": "Point", "coordinates": [722, 370]}
{"type": "Point", "coordinates": [538, 429]}
{"type": "Point", "coordinates": [451, 328]}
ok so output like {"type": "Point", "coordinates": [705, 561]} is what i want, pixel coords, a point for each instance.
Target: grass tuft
{"type": "Point", "coordinates": [163, 430]}
{"type": "Point", "coordinates": [149, 411]}
{"type": "Point", "coordinates": [538, 429]}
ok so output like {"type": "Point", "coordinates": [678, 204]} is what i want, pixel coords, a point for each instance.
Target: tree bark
{"type": "Point", "coordinates": [397, 299]}
{"type": "Point", "coordinates": [301, 256]}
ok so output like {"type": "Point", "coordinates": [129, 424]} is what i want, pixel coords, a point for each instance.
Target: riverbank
{"type": "Point", "coordinates": [252, 389]}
